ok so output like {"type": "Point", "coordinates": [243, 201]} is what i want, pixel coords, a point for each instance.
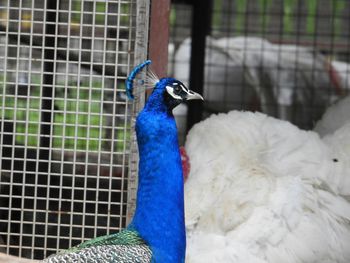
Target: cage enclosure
{"type": "Point", "coordinates": [65, 123]}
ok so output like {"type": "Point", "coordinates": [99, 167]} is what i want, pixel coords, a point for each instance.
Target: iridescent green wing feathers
{"type": "Point", "coordinates": [125, 237]}
{"type": "Point", "coordinates": [125, 246]}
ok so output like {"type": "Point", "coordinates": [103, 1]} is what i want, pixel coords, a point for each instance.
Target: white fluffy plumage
{"type": "Point", "coordinates": [261, 190]}
{"type": "Point", "coordinates": [334, 126]}
{"type": "Point", "coordinates": [334, 118]}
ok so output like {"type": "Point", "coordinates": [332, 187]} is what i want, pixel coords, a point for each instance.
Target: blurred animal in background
{"type": "Point", "coordinates": [261, 190]}
{"type": "Point", "coordinates": [289, 82]}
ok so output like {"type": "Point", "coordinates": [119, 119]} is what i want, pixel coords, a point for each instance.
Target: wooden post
{"type": "Point", "coordinates": [159, 36]}
{"type": "Point", "coordinates": [141, 40]}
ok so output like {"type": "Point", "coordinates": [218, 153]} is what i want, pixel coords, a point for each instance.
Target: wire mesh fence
{"type": "Point", "coordinates": [289, 59]}
{"type": "Point", "coordinates": [65, 123]}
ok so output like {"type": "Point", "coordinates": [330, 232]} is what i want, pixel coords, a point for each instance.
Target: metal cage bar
{"type": "Point", "coordinates": [141, 43]}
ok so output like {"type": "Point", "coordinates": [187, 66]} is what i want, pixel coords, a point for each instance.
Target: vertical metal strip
{"type": "Point", "coordinates": [48, 84]}
{"type": "Point", "coordinates": [115, 133]}
{"type": "Point", "coordinates": [65, 109]}
{"type": "Point", "coordinates": [200, 29]}
{"type": "Point", "coordinates": [141, 44]}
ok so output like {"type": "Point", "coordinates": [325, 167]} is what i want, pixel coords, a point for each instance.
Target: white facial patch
{"type": "Point", "coordinates": [170, 91]}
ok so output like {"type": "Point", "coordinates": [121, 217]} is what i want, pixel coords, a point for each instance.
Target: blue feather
{"type": "Point", "coordinates": [130, 80]}
{"type": "Point", "coordinates": [159, 215]}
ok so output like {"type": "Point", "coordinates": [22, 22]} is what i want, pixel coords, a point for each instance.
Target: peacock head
{"type": "Point", "coordinates": [171, 90]}
{"type": "Point", "coordinates": [175, 92]}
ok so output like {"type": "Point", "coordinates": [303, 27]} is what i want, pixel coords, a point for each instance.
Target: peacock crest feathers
{"type": "Point", "coordinates": [148, 82]}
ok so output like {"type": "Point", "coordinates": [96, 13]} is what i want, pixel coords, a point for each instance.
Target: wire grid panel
{"type": "Point", "coordinates": [65, 122]}
{"type": "Point", "coordinates": [289, 59]}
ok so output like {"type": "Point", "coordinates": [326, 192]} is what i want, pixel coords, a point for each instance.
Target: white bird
{"type": "Point", "coordinates": [261, 190]}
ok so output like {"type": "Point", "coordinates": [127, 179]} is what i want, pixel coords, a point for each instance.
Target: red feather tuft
{"type": "Point", "coordinates": [186, 166]}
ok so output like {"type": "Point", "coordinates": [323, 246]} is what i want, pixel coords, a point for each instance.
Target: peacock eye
{"type": "Point", "coordinates": [177, 89]}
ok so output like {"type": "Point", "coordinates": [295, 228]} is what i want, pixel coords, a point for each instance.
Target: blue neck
{"type": "Point", "coordinates": [159, 215]}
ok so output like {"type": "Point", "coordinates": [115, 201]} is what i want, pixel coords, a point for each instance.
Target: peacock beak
{"type": "Point", "coordinates": [191, 95]}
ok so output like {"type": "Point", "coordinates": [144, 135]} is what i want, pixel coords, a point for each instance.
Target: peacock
{"type": "Point", "coordinates": [157, 231]}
